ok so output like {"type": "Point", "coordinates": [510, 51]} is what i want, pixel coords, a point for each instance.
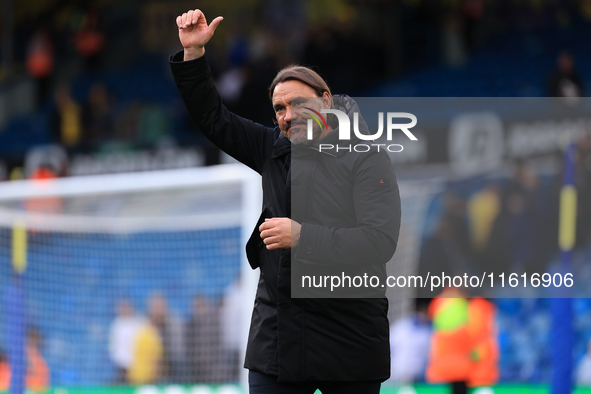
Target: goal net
{"type": "Point", "coordinates": [129, 279]}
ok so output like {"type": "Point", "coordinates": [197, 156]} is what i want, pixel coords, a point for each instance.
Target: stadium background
{"type": "Point", "coordinates": [110, 58]}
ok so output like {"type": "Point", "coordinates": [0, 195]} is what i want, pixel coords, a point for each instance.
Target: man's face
{"type": "Point", "coordinates": [289, 100]}
{"type": "Point", "coordinates": [124, 308]}
{"type": "Point", "coordinates": [157, 307]}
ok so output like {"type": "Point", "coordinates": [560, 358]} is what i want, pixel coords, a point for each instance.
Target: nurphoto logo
{"type": "Point", "coordinates": [345, 129]}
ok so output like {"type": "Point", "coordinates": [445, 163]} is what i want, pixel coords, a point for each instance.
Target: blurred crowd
{"type": "Point", "coordinates": [37, 377]}
{"type": "Point", "coordinates": [102, 83]}
{"type": "Point", "coordinates": [158, 346]}
{"type": "Point", "coordinates": [507, 224]}
{"type": "Point", "coordinates": [162, 348]}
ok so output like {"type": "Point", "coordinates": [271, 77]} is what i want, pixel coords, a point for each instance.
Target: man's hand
{"type": "Point", "coordinates": [280, 233]}
{"type": "Point", "coordinates": [194, 32]}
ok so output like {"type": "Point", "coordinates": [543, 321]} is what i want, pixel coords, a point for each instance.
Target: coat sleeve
{"type": "Point", "coordinates": [246, 141]}
{"type": "Point", "coordinates": [377, 211]}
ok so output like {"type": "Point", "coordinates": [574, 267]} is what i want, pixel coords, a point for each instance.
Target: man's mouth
{"type": "Point", "coordinates": [295, 126]}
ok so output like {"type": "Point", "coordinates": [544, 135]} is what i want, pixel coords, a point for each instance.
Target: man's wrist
{"type": "Point", "coordinates": [295, 236]}
{"type": "Point", "coordinates": [193, 53]}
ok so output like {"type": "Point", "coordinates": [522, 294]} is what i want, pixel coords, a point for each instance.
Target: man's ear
{"type": "Point", "coordinates": [326, 100]}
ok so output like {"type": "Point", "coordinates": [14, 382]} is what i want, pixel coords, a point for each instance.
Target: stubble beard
{"type": "Point", "coordinates": [300, 135]}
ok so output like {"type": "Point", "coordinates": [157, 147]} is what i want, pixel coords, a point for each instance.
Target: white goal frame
{"type": "Point", "coordinates": [250, 206]}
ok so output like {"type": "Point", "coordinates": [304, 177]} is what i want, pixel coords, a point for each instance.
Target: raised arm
{"type": "Point", "coordinates": [243, 139]}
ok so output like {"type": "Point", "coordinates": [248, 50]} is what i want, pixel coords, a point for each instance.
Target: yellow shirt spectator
{"type": "Point", "coordinates": [71, 127]}
{"type": "Point", "coordinates": [147, 352]}
{"type": "Point", "coordinates": [483, 209]}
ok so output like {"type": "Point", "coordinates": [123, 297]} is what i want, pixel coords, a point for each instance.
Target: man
{"type": "Point", "coordinates": [203, 342]}
{"type": "Point", "coordinates": [409, 342]}
{"type": "Point", "coordinates": [121, 334]}
{"type": "Point", "coordinates": [346, 216]}
{"type": "Point", "coordinates": [565, 81]}
{"type": "Point", "coordinates": [170, 329]}
{"type": "Point", "coordinates": [148, 350]}
{"type": "Point", "coordinates": [37, 379]}
{"type": "Point", "coordinates": [450, 357]}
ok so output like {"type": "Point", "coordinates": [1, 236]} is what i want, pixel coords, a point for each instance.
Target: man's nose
{"type": "Point", "coordinates": [288, 114]}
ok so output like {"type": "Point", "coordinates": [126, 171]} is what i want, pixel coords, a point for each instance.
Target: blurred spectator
{"type": "Point", "coordinates": [231, 326]}
{"type": "Point", "coordinates": [127, 125]}
{"type": "Point", "coordinates": [37, 379]}
{"type": "Point", "coordinates": [483, 209]}
{"type": "Point", "coordinates": [88, 39]}
{"type": "Point", "coordinates": [17, 174]}
{"type": "Point", "coordinates": [485, 344]}
{"type": "Point", "coordinates": [98, 117]}
{"type": "Point", "coordinates": [320, 49]}
{"type": "Point", "coordinates": [154, 125]}
{"type": "Point", "coordinates": [464, 344]}
{"type": "Point", "coordinates": [442, 252]}
{"type": "Point", "coordinates": [171, 332]}
{"type": "Point", "coordinates": [44, 205]}
{"type": "Point", "coordinates": [565, 80]}
{"type": "Point", "coordinates": [450, 358]}
{"type": "Point", "coordinates": [455, 211]}
{"type": "Point", "coordinates": [584, 368]}
{"type": "Point", "coordinates": [454, 47]}
{"type": "Point", "coordinates": [524, 180]}
{"type": "Point", "coordinates": [515, 240]}
{"type": "Point", "coordinates": [472, 12]}
{"type": "Point", "coordinates": [66, 121]}
{"type": "Point", "coordinates": [203, 342]}
{"type": "Point", "coordinates": [39, 62]}
{"type": "Point", "coordinates": [4, 372]}
{"type": "Point", "coordinates": [409, 345]}
{"type": "Point", "coordinates": [121, 335]}
{"type": "Point", "coordinates": [230, 85]}
{"type": "Point", "coordinates": [52, 157]}
{"type": "Point", "coordinates": [257, 77]}
{"type": "Point", "coordinates": [37, 375]}
{"type": "Point", "coordinates": [146, 363]}
{"type": "Point", "coordinates": [517, 227]}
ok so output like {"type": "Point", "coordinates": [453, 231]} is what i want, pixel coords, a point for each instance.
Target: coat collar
{"type": "Point", "coordinates": [281, 147]}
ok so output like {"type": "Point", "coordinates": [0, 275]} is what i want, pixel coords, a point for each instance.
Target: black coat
{"type": "Point", "coordinates": [349, 208]}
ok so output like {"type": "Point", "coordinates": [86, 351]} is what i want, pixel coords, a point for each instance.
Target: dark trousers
{"type": "Point", "coordinates": [121, 376]}
{"type": "Point", "coordinates": [459, 388]}
{"type": "Point", "coordinates": [260, 383]}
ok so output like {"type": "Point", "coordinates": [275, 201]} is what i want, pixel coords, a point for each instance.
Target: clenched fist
{"type": "Point", "coordinates": [194, 32]}
{"type": "Point", "coordinates": [280, 233]}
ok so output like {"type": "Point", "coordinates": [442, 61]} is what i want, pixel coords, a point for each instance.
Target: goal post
{"type": "Point", "coordinates": [93, 240]}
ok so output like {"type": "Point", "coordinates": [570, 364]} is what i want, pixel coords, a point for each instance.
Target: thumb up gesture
{"type": "Point", "coordinates": [194, 32]}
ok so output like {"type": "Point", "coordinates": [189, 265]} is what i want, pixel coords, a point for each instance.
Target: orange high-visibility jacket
{"type": "Point", "coordinates": [5, 376]}
{"type": "Point", "coordinates": [37, 377]}
{"type": "Point", "coordinates": [451, 344]}
{"type": "Point", "coordinates": [485, 371]}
